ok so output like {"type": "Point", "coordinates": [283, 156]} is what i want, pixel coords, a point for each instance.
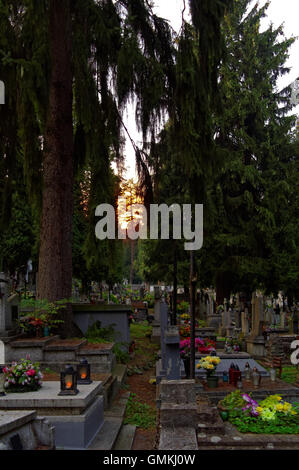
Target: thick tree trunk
{"type": "Point", "coordinates": [55, 255]}
{"type": "Point", "coordinates": [193, 280]}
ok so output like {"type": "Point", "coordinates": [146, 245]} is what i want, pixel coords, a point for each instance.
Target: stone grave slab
{"type": "Point", "coordinates": [32, 431]}
{"type": "Point", "coordinates": [77, 419]}
{"type": "Point", "coordinates": [46, 400]}
{"type": "Point", "coordinates": [225, 365]}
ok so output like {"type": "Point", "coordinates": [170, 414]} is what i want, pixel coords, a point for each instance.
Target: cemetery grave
{"type": "Point", "coordinates": [212, 431]}
{"type": "Point", "coordinates": [123, 401]}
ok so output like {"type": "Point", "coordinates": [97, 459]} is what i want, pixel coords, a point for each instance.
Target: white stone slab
{"type": "Point", "coordinates": [13, 419]}
{"type": "Point", "coordinates": [47, 397]}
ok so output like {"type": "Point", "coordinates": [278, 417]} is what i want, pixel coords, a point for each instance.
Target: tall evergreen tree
{"type": "Point", "coordinates": [254, 135]}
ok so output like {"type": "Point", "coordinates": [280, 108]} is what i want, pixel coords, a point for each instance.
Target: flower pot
{"type": "Point", "coordinates": [212, 381]}
{"type": "Point", "coordinates": [224, 415]}
{"type": "Point", "coordinates": [38, 332]}
{"type": "Point", "coordinates": [46, 331]}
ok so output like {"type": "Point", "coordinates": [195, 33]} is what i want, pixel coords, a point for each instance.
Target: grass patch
{"type": "Point", "coordinates": [140, 330]}
{"type": "Point", "coordinates": [140, 414]}
{"type": "Point", "coordinates": [290, 374]}
{"type": "Point", "coordinates": [145, 350]}
{"type": "Point", "coordinates": [97, 334]}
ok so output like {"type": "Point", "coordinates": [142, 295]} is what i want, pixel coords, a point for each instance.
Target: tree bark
{"type": "Point", "coordinates": [193, 280]}
{"type": "Point", "coordinates": [55, 254]}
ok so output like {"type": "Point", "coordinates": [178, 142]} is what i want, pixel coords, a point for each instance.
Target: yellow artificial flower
{"type": "Point", "coordinates": [259, 409]}
{"type": "Point", "coordinates": [279, 407]}
{"type": "Point", "coordinates": [287, 406]}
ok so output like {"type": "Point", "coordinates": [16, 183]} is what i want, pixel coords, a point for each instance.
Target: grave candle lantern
{"type": "Point", "coordinates": [225, 377]}
{"type": "Point", "coordinates": [272, 373]}
{"type": "Point", "coordinates": [83, 372]}
{"type": "Point", "coordinates": [68, 381]}
{"type": "Point", "coordinates": [239, 383]}
{"type": "Point", "coordinates": [247, 372]}
{"type": "Point", "coordinates": [256, 378]}
{"type": "Point", "coordinates": [2, 381]}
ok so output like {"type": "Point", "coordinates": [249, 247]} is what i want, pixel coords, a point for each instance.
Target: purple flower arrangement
{"type": "Point", "coordinates": [251, 405]}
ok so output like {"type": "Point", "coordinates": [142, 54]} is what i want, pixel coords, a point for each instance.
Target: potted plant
{"type": "Point", "coordinates": [42, 317]}
{"type": "Point", "coordinates": [209, 363]}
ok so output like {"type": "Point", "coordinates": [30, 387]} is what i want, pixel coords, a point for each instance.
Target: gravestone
{"type": "Point", "coordinates": [283, 322]}
{"type": "Point", "coordinates": [256, 341]}
{"type": "Point", "coordinates": [245, 322]}
{"type": "Point", "coordinates": [2, 353]}
{"type": "Point", "coordinates": [237, 316]}
{"type": "Point", "coordinates": [77, 419]}
{"type": "Point", "coordinates": [156, 330]}
{"type": "Point", "coordinates": [214, 319]}
{"type": "Point", "coordinates": [202, 309]}
{"type": "Point", "coordinates": [178, 415]}
{"type": "Point", "coordinates": [269, 311]}
{"type": "Point", "coordinates": [9, 309]}
{"type": "Point", "coordinates": [172, 353]}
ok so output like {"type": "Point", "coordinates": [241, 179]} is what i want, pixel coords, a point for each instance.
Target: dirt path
{"type": "Point", "coordinates": [145, 353]}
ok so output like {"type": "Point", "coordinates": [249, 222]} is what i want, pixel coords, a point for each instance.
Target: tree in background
{"type": "Point", "coordinates": [253, 134]}
{"type": "Point", "coordinates": [76, 65]}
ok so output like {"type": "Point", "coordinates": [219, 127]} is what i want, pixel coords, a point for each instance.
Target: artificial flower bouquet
{"type": "Point", "coordinates": [203, 346]}
{"type": "Point", "coordinates": [206, 346]}
{"type": "Point", "coordinates": [185, 316]}
{"type": "Point", "coordinates": [185, 347]}
{"type": "Point", "coordinates": [23, 376]}
{"type": "Point", "coordinates": [185, 331]}
{"type": "Point", "coordinates": [209, 363]}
